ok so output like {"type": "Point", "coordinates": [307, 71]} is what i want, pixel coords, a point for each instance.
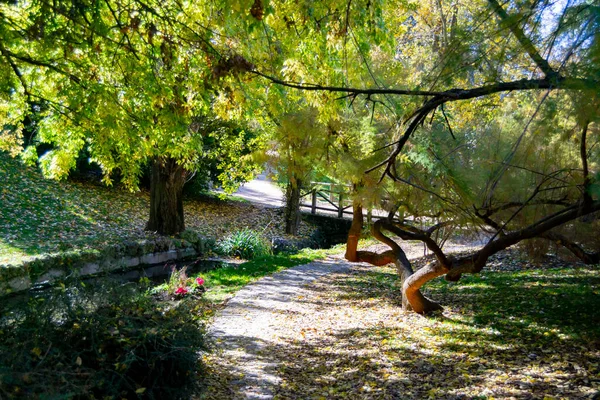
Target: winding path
{"type": "Point", "coordinates": [286, 308]}
{"type": "Point", "coordinates": [255, 318]}
{"type": "Point", "coordinates": [261, 191]}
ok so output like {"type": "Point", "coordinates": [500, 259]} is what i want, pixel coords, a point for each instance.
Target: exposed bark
{"type": "Point", "coordinates": [476, 262]}
{"type": "Point", "coordinates": [292, 206]}
{"type": "Point", "coordinates": [410, 282]}
{"type": "Point", "coordinates": [166, 197]}
{"type": "Point", "coordinates": [452, 267]}
{"type": "Point", "coordinates": [447, 95]}
{"type": "Point", "coordinates": [354, 233]}
{"type": "Point", "coordinates": [377, 259]}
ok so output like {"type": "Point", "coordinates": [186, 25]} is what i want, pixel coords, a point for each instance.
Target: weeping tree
{"type": "Point", "coordinates": [127, 81]}
{"type": "Point", "coordinates": [497, 119]}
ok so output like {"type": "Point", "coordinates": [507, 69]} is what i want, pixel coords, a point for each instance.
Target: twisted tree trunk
{"type": "Point", "coordinates": [411, 282]}
{"type": "Point", "coordinates": [166, 197]}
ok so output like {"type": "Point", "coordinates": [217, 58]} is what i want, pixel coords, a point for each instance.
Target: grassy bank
{"type": "Point", "coordinates": [43, 217]}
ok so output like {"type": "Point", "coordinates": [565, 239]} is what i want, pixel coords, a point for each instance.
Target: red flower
{"type": "Point", "coordinates": [200, 281]}
{"type": "Point", "coordinates": [181, 290]}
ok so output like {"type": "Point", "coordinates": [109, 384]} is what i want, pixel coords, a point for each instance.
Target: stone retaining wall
{"type": "Point", "coordinates": [128, 255]}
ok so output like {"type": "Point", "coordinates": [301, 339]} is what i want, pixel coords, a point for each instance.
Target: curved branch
{"type": "Point", "coordinates": [450, 94]}
{"type": "Point", "coordinates": [578, 251]}
{"type": "Point", "coordinates": [475, 263]}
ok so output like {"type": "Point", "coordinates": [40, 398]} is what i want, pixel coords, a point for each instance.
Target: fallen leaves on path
{"type": "Point", "coordinates": [525, 335]}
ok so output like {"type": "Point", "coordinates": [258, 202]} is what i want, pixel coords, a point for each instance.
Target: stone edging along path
{"type": "Point", "coordinates": [129, 255]}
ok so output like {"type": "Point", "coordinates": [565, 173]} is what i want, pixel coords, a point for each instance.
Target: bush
{"type": "Point", "coordinates": [247, 244]}
{"type": "Point", "coordinates": [98, 342]}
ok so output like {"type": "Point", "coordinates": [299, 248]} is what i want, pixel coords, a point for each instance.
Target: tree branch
{"type": "Point", "coordinates": [475, 263]}
{"type": "Point", "coordinates": [524, 40]}
{"type": "Point", "coordinates": [587, 198]}
{"type": "Point", "coordinates": [578, 251]}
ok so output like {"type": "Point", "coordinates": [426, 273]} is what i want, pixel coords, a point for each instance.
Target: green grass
{"type": "Point", "coordinates": [541, 304]}
{"type": "Point", "coordinates": [245, 243]}
{"type": "Point", "coordinates": [40, 216]}
{"type": "Point", "coordinates": [222, 283]}
{"type": "Point", "coordinates": [527, 334]}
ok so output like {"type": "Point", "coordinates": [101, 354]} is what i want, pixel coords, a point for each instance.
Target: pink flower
{"type": "Point", "coordinates": [181, 290]}
{"type": "Point", "coordinates": [200, 281]}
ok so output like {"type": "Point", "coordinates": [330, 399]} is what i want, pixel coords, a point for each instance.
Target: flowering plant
{"type": "Point", "coordinates": [180, 284]}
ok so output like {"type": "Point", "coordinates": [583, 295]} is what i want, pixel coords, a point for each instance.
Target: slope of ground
{"type": "Point", "coordinates": [40, 216]}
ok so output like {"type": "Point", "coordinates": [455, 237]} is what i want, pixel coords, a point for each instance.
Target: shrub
{"type": "Point", "coordinates": [247, 244]}
{"type": "Point", "coordinates": [98, 342]}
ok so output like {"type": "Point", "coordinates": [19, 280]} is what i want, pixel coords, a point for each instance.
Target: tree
{"type": "Point", "coordinates": [128, 81]}
{"type": "Point", "coordinates": [299, 146]}
{"type": "Point", "coordinates": [466, 79]}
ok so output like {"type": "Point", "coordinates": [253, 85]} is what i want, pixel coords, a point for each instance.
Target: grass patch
{"type": "Point", "coordinates": [524, 334]}
{"type": "Point", "coordinates": [245, 243]}
{"type": "Point", "coordinates": [222, 283]}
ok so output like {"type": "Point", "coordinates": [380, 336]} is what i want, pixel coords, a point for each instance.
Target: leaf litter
{"type": "Point", "coordinates": [514, 332]}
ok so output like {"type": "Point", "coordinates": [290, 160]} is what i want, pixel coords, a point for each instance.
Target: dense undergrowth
{"type": "Point", "coordinates": [101, 341]}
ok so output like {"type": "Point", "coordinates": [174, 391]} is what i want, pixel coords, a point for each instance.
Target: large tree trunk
{"type": "Point", "coordinates": [292, 206]}
{"type": "Point", "coordinates": [166, 197]}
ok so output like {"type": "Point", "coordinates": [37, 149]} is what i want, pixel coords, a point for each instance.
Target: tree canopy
{"type": "Point", "coordinates": [132, 82]}
{"type": "Point", "coordinates": [491, 109]}
{"type": "Point", "coordinates": [478, 115]}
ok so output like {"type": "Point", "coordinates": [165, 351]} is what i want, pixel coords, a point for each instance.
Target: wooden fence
{"type": "Point", "coordinates": [329, 197]}
{"type": "Point", "coordinates": [334, 198]}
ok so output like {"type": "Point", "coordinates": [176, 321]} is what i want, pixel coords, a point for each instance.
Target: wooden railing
{"type": "Point", "coordinates": [331, 197]}
{"type": "Point", "coordinates": [334, 198]}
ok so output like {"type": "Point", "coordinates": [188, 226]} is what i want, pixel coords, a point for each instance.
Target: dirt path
{"type": "Point", "coordinates": [262, 191]}
{"type": "Point", "coordinates": [258, 324]}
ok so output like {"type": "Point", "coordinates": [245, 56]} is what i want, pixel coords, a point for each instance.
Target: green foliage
{"type": "Point", "coordinates": [130, 85]}
{"type": "Point", "coordinates": [180, 284]}
{"type": "Point", "coordinates": [100, 341]}
{"type": "Point", "coordinates": [222, 282]}
{"type": "Point", "coordinates": [245, 243]}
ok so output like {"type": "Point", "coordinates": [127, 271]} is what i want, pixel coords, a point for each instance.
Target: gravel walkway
{"type": "Point", "coordinates": [270, 313]}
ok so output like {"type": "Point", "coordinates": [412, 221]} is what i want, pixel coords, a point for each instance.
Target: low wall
{"type": "Point", "coordinates": [50, 268]}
